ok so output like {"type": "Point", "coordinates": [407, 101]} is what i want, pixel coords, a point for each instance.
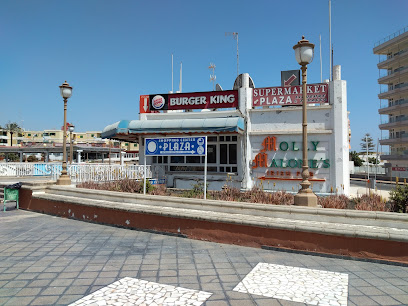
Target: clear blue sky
{"type": "Point", "coordinates": [111, 52]}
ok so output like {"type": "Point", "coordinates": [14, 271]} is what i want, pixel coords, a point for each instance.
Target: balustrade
{"type": "Point", "coordinates": [78, 172]}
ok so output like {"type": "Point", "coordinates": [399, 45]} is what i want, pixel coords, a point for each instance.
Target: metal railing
{"type": "Point", "coordinates": [78, 172]}
{"type": "Point", "coordinates": [372, 170]}
{"type": "Point", "coordinates": [395, 103]}
{"type": "Point", "coordinates": [384, 58]}
{"type": "Point", "coordinates": [395, 137]}
{"type": "Point", "coordinates": [391, 36]}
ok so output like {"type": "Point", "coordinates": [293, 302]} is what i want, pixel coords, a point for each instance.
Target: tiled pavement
{"type": "Point", "coordinates": [46, 260]}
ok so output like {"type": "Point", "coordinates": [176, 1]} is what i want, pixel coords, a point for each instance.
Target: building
{"type": "Point", "coordinates": [254, 136]}
{"type": "Point", "coordinates": [393, 66]}
{"type": "Point", "coordinates": [50, 142]}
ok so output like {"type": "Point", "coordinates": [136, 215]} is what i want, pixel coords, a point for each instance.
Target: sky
{"type": "Point", "coordinates": [112, 52]}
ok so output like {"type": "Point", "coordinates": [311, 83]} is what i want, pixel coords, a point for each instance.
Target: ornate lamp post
{"type": "Point", "coordinates": [71, 137]}
{"type": "Point", "coordinates": [64, 179]}
{"type": "Point", "coordinates": [304, 56]}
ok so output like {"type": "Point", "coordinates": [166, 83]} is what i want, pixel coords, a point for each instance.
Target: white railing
{"type": "Point", "coordinates": [372, 170]}
{"type": "Point", "coordinates": [78, 172]}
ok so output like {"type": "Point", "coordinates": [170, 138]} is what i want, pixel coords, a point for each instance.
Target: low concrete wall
{"type": "Point", "coordinates": [343, 232]}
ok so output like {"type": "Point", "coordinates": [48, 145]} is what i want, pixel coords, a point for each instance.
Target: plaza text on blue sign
{"type": "Point", "coordinates": [176, 146]}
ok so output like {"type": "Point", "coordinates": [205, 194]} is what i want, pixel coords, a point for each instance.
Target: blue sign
{"type": "Point", "coordinates": [176, 146]}
{"type": "Point", "coordinates": [157, 181]}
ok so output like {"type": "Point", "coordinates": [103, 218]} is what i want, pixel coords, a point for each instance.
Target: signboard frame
{"type": "Point", "coordinates": [290, 95]}
{"type": "Point", "coordinates": [171, 147]}
{"type": "Point", "coordinates": [188, 101]}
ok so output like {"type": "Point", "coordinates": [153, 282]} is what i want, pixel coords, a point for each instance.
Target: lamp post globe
{"type": "Point", "coordinates": [304, 51]}
{"type": "Point", "coordinates": [66, 92]}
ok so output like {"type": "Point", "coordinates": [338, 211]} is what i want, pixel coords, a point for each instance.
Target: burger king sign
{"type": "Point", "coordinates": [158, 102]}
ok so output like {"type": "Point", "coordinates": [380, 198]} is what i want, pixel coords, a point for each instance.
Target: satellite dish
{"type": "Point", "coordinates": [239, 79]}
{"type": "Point", "coordinates": [218, 87]}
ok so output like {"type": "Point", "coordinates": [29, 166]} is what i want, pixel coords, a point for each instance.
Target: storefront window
{"type": "Point", "coordinates": [222, 157]}
{"type": "Point", "coordinates": [212, 153]}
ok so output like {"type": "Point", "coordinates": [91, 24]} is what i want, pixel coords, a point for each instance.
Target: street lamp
{"type": "Point", "coordinates": [71, 137]}
{"type": "Point", "coordinates": [304, 56]}
{"type": "Point", "coordinates": [64, 179]}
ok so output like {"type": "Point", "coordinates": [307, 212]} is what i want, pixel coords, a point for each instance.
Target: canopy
{"type": "Point", "coordinates": [130, 130]}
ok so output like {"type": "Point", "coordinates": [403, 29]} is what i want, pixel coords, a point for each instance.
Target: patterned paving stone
{"type": "Point", "coordinates": [314, 287]}
{"type": "Point", "coordinates": [132, 291]}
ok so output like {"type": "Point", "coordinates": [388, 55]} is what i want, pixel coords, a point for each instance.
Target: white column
{"type": "Point", "coordinates": [339, 148]}
{"type": "Point", "coordinates": [245, 104]}
{"type": "Point", "coordinates": [122, 155]}
{"type": "Point", "coordinates": [79, 156]}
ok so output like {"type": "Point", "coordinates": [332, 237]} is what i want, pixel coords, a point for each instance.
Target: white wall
{"type": "Point", "coordinates": [327, 128]}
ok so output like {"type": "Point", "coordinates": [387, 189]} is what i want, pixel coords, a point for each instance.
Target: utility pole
{"type": "Point", "coordinates": [368, 167]}
{"type": "Point", "coordinates": [235, 36]}
{"type": "Point", "coordinates": [212, 76]}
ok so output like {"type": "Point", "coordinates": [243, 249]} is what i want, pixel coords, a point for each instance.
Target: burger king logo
{"type": "Point", "coordinates": [158, 102]}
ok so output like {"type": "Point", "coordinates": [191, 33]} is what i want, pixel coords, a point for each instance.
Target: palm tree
{"type": "Point", "coordinates": [12, 127]}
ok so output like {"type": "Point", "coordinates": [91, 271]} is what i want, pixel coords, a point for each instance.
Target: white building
{"type": "Point", "coordinates": [257, 144]}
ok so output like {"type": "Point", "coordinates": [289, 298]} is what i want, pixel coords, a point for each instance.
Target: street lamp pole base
{"type": "Point", "coordinates": [64, 180]}
{"type": "Point", "coordinates": [306, 197]}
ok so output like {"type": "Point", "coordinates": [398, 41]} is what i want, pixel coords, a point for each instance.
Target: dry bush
{"type": "Point", "coordinates": [256, 195]}
{"type": "Point", "coordinates": [281, 198]}
{"type": "Point", "coordinates": [334, 201]}
{"type": "Point", "coordinates": [372, 202]}
{"type": "Point", "coordinates": [125, 185]}
{"type": "Point", "coordinates": [227, 194]}
{"type": "Point", "coordinates": [159, 190]}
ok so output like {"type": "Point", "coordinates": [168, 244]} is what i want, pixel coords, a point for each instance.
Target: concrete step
{"type": "Point", "coordinates": [228, 212]}
{"type": "Point", "coordinates": [343, 216]}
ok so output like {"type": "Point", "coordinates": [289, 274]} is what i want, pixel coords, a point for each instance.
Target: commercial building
{"type": "Point", "coordinates": [254, 136]}
{"type": "Point", "coordinates": [393, 66]}
{"type": "Point", "coordinates": [47, 145]}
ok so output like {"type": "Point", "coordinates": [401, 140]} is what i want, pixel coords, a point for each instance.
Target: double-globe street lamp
{"type": "Point", "coordinates": [71, 137]}
{"type": "Point", "coordinates": [304, 56]}
{"type": "Point", "coordinates": [64, 179]}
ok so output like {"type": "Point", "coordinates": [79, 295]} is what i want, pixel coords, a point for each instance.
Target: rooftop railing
{"type": "Point", "coordinates": [389, 37]}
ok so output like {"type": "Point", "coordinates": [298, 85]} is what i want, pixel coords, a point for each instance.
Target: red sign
{"type": "Point", "coordinates": [291, 95]}
{"type": "Point", "coordinates": [144, 104]}
{"type": "Point", "coordinates": [399, 169]}
{"type": "Point", "coordinates": [195, 100]}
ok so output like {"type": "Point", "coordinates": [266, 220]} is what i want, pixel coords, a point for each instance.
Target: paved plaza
{"type": "Point", "coordinates": [46, 260]}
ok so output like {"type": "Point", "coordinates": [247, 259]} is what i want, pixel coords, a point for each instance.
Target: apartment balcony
{"type": "Point", "coordinates": [388, 43]}
{"type": "Point", "coordinates": [400, 106]}
{"type": "Point", "coordinates": [403, 155]}
{"type": "Point", "coordinates": [394, 123]}
{"type": "Point", "coordinates": [397, 75]}
{"type": "Point", "coordinates": [395, 93]}
{"type": "Point", "coordinates": [394, 140]}
{"type": "Point", "coordinates": [394, 60]}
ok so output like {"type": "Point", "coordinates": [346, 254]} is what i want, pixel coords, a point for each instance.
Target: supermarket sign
{"type": "Point", "coordinates": [290, 95]}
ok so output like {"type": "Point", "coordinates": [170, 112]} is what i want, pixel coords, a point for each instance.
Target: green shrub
{"type": "Point", "coordinates": [197, 191]}
{"type": "Point", "coordinates": [399, 198]}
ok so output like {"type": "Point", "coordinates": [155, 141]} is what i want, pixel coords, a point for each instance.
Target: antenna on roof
{"type": "Point", "coordinates": [181, 77]}
{"type": "Point", "coordinates": [235, 36]}
{"type": "Point", "coordinates": [212, 77]}
{"type": "Point", "coordinates": [172, 72]}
